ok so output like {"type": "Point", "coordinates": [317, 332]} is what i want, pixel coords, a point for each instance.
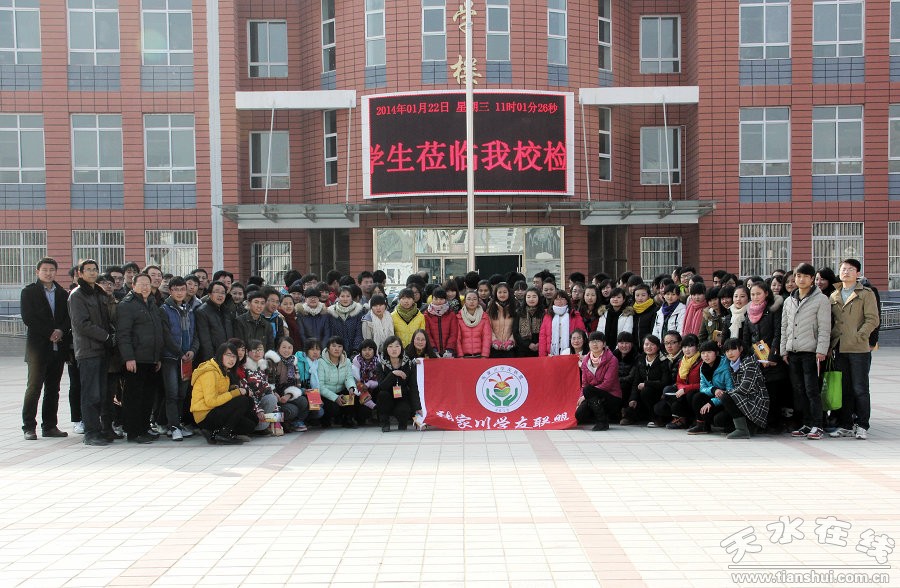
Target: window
{"type": "Point", "coordinates": [497, 26]}
{"type": "Point", "coordinates": [837, 28]}
{"type": "Point", "coordinates": [604, 35]}
{"type": "Point", "coordinates": [556, 32]}
{"type": "Point", "coordinates": [105, 247]}
{"type": "Point", "coordinates": [434, 30]}
{"type": "Point", "coordinates": [20, 32]}
{"type": "Point", "coordinates": [656, 146]}
{"type": "Point", "coordinates": [893, 256]}
{"type": "Point", "coordinates": [660, 44]}
{"type": "Point", "coordinates": [895, 27]}
{"type": "Point", "coordinates": [19, 253]}
{"type": "Point", "coordinates": [765, 29]}
{"type": "Point", "coordinates": [169, 149]}
{"type": "Point", "coordinates": [375, 41]}
{"type": "Point", "coordinates": [331, 147]}
{"type": "Point", "coordinates": [833, 242]}
{"type": "Point", "coordinates": [660, 255]}
{"type": "Point", "coordinates": [280, 176]}
{"type": "Point", "coordinates": [271, 260]}
{"type": "Point", "coordinates": [167, 32]}
{"type": "Point", "coordinates": [22, 149]}
{"type": "Point", "coordinates": [894, 139]}
{"type": "Point", "coordinates": [173, 251]}
{"type": "Point", "coordinates": [94, 32]}
{"type": "Point", "coordinates": [605, 143]}
{"type": "Point", "coordinates": [329, 56]}
{"type": "Point", "coordinates": [268, 49]}
{"type": "Point", "coordinates": [837, 140]}
{"type": "Point", "coordinates": [765, 142]}
{"type": "Point", "coordinates": [97, 149]}
{"type": "Point", "coordinates": [765, 247]}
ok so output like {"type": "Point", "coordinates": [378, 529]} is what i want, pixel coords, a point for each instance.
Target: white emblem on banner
{"type": "Point", "coordinates": [501, 389]}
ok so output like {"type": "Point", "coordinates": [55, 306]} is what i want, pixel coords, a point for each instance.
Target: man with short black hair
{"type": "Point", "coordinates": [130, 269]}
{"type": "Point", "coordinates": [203, 276]}
{"type": "Point", "coordinates": [46, 314]}
{"type": "Point", "coordinates": [181, 345]}
{"type": "Point", "coordinates": [118, 277]}
{"type": "Point", "coordinates": [214, 324]}
{"type": "Point", "coordinates": [366, 283]}
{"type": "Point", "coordinates": [225, 277]}
{"type": "Point", "coordinates": [854, 313]}
{"type": "Point", "coordinates": [252, 324]}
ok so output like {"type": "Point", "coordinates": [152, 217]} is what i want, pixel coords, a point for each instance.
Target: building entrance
{"type": "Point", "coordinates": [489, 265]}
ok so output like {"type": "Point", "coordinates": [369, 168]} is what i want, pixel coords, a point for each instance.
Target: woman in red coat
{"type": "Point", "coordinates": [474, 333]}
{"type": "Point", "coordinates": [559, 322]}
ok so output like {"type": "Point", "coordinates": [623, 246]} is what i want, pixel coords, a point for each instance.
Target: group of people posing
{"type": "Point", "coordinates": [153, 355]}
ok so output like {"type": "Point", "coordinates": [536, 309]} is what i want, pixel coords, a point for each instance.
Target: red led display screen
{"type": "Point", "coordinates": [415, 143]}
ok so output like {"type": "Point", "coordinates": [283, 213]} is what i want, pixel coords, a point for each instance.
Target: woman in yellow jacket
{"type": "Point", "coordinates": [223, 411]}
{"type": "Point", "coordinates": [407, 317]}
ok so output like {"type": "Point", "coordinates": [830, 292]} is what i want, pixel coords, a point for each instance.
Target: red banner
{"type": "Point", "coordinates": [500, 394]}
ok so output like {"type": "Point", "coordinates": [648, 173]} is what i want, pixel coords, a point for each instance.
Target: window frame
{"type": "Point", "coordinates": [551, 37]}
{"type": "Point", "coordinates": [14, 47]}
{"type": "Point", "coordinates": [271, 276]}
{"type": "Point", "coordinates": [98, 132]}
{"type": "Point", "coordinates": [671, 170]}
{"type": "Point", "coordinates": [838, 43]}
{"type": "Point", "coordinates": [895, 34]}
{"type": "Point", "coordinates": [331, 161]}
{"type": "Point", "coordinates": [172, 168]}
{"type": "Point", "coordinates": [21, 170]}
{"type": "Point", "coordinates": [493, 6]}
{"type": "Point", "coordinates": [834, 236]}
{"type": "Point", "coordinates": [765, 45]}
{"type": "Point", "coordinates": [660, 59]}
{"type": "Point", "coordinates": [19, 246]}
{"type": "Point", "coordinates": [604, 22]}
{"type": "Point", "coordinates": [95, 52]}
{"type": "Point", "coordinates": [765, 123]}
{"type": "Point", "coordinates": [768, 240]}
{"type": "Point", "coordinates": [104, 260]}
{"type": "Point", "coordinates": [373, 40]}
{"type": "Point", "coordinates": [176, 248]}
{"type": "Point", "coordinates": [893, 256]}
{"type": "Point", "coordinates": [837, 160]}
{"type": "Point", "coordinates": [435, 5]}
{"type": "Point", "coordinates": [648, 269]}
{"type": "Point", "coordinates": [168, 51]}
{"type": "Point", "coordinates": [329, 50]}
{"type": "Point", "coordinates": [268, 64]}
{"type": "Point", "coordinates": [604, 113]}
{"type": "Point", "coordinates": [893, 130]}
{"type": "Point", "coordinates": [284, 176]}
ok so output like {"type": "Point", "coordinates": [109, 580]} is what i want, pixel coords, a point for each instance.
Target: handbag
{"type": "Point", "coordinates": [832, 389]}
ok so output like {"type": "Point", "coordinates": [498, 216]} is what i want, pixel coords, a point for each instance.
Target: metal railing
{"type": "Point", "coordinates": [11, 325]}
{"type": "Point", "coordinates": [890, 315]}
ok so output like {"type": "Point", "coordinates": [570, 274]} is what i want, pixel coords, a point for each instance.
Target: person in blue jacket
{"type": "Point", "coordinates": [714, 375]}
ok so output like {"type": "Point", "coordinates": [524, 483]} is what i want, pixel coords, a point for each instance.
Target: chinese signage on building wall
{"type": "Point", "coordinates": [415, 143]}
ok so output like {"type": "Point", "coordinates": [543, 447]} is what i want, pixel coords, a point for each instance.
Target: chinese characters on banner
{"type": "Point", "coordinates": [415, 143]}
{"type": "Point", "coordinates": [500, 394]}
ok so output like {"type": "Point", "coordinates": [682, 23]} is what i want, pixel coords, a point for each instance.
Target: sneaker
{"type": "Point", "coordinates": [862, 434]}
{"type": "Point", "coordinates": [652, 425]}
{"type": "Point", "coordinates": [815, 434]}
{"type": "Point", "coordinates": [151, 432]}
{"type": "Point", "coordinates": [142, 439]}
{"type": "Point", "coordinates": [801, 432]}
{"type": "Point", "coordinates": [55, 432]}
{"type": "Point", "coordinates": [299, 426]}
{"type": "Point", "coordinates": [698, 429]}
{"type": "Point", "coordinates": [78, 427]}
{"type": "Point", "coordinates": [186, 431]}
{"type": "Point", "coordinates": [119, 430]}
{"type": "Point", "coordinates": [677, 424]}
{"type": "Point", "coordinates": [841, 432]}
{"type": "Point", "coordinates": [30, 435]}
{"type": "Point", "coordinates": [175, 433]}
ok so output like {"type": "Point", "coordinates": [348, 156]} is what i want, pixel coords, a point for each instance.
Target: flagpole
{"type": "Point", "coordinates": [470, 138]}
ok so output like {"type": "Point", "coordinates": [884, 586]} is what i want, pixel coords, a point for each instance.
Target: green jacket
{"type": "Point", "coordinates": [334, 379]}
{"type": "Point", "coordinates": [853, 321]}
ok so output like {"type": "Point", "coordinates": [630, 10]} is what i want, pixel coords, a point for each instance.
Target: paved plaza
{"type": "Point", "coordinates": [628, 507]}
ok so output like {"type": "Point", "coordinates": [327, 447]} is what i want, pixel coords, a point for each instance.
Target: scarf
{"type": "Point", "coordinates": [367, 368]}
{"type": "Point", "coordinates": [471, 319]}
{"type": "Point", "coordinates": [668, 309]}
{"type": "Point", "coordinates": [313, 372]}
{"type": "Point", "coordinates": [755, 311]}
{"type": "Point", "coordinates": [386, 364]}
{"type": "Point", "coordinates": [707, 370]}
{"type": "Point", "coordinates": [344, 312]}
{"type": "Point", "coordinates": [640, 307]}
{"type": "Point", "coordinates": [593, 363]}
{"type": "Point", "coordinates": [529, 324]}
{"type": "Point", "coordinates": [736, 365]}
{"type": "Point", "coordinates": [382, 328]}
{"type": "Point", "coordinates": [684, 368]}
{"type": "Point", "coordinates": [560, 329]}
{"type": "Point", "coordinates": [737, 319]}
{"type": "Point", "coordinates": [693, 317]}
{"type": "Point", "coordinates": [438, 309]}
{"type": "Point", "coordinates": [290, 366]}
{"type": "Point", "coordinates": [312, 311]}
{"type": "Point", "coordinates": [408, 315]}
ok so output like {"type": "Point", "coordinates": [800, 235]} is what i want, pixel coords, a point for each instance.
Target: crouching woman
{"type": "Point", "coordinates": [223, 411]}
{"type": "Point", "coordinates": [748, 399]}
{"type": "Point", "coordinates": [398, 391]}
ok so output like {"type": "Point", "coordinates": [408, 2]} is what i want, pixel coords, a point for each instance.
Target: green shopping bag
{"type": "Point", "coordinates": [832, 388]}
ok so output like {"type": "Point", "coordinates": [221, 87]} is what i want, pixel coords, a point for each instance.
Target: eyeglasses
{"type": "Point", "coordinates": [228, 354]}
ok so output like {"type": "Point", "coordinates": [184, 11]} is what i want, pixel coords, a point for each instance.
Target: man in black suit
{"type": "Point", "coordinates": [46, 314]}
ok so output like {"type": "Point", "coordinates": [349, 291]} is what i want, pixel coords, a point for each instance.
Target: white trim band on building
{"type": "Point", "coordinates": [296, 100]}
{"type": "Point", "coordinates": [637, 96]}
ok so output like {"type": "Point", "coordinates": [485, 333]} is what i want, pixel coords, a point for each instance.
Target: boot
{"type": "Point", "coordinates": [598, 407]}
{"type": "Point", "coordinates": [225, 437]}
{"type": "Point", "coordinates": [741, 429]}
{"type": "Point", "coordinates": [385, 425]}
